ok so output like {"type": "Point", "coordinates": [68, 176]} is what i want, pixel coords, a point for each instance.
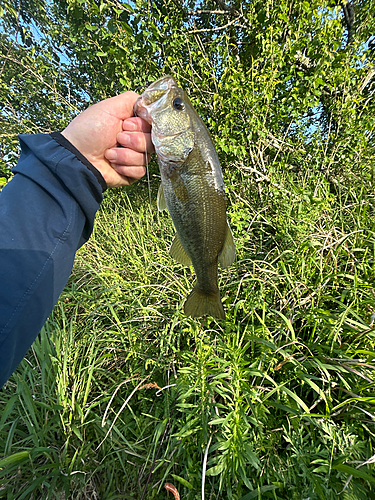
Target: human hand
{"type": "Point", "coordinates": [116, 142]}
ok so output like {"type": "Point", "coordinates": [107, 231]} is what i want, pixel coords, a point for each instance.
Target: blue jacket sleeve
{"type": "Point", "coordinates": [47, 212]}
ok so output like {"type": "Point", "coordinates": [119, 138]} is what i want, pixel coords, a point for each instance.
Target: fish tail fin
{"type": "Point", "coordinates": [200, 304]}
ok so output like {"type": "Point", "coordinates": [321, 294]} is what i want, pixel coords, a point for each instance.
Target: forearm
{"type": "Point", "coordinates": [46, 212]}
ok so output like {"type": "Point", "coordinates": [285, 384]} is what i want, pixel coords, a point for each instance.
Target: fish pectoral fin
{"type": "Point", "coordinates": [160, 199]}
{"type": "Point", "coordinates": [179, 187]}
{"type": "Point", "coordinates": [178, 252]}
{"type": "Point", "coordinates": [228, 252]}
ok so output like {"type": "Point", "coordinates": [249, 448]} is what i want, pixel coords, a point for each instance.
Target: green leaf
{"type": "Point", "coordinates": [77, 432]}
{"type": "Point", "coordinates": [354, 472]}
{"type": "Point", "coordinates": [216, 470]}
{"type": "Point", "coordinates": [14, 459]}
{"type": "Point", "coordinates": [258, 491]}
{"type": "Point", "coordinates": [8, 409]}
{"type": "Point", "coordinates": [183, 481]}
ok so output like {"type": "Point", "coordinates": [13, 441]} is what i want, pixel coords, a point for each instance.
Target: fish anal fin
{"type": "Point", "coordinates": [178, 252]}
{"type": "Point", "coordinates": [161, 200]}
{"type": "Point", "coordinates": [228, 252]}
{"type": "Point", "coordinates": [200, 304]}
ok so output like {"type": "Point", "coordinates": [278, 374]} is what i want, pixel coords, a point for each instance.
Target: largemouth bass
{"type": "Point", "coordinates": [192, 188]}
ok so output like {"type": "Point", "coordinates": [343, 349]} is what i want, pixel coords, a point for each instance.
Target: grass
{"type": "Point", "coordinates": [121, 392]}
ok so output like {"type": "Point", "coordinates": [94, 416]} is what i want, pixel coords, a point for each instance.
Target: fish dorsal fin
{"type": "Point", "coordinates": [178, 252]}
{"type": "Point", "coordinates": [228, 253]}
{"type": "Point", "coordinates": [160, 199]}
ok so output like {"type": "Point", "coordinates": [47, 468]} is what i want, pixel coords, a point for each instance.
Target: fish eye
{"type": "Point", "coordinates": [178, 104]}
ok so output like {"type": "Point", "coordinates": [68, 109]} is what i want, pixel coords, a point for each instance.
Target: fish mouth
{"type": "Point", "coordinates": [156, 92]}
{"type": "Point", "coordinates": [162, 85]}
{"type": "Point", "coordinates": [140, 110]}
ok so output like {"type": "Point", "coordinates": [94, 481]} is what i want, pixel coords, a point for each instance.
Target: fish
{"type": "Point", "coordinates": [192, 189]}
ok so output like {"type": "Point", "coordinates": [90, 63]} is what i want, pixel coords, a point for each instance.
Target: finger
{"type": "Point", "coordinates": [126, 156]}
{"type": "Point", "coordinates": [136, 124]}
{"type": "Point", "coordinates": [132, 173]}
{"type": "Point", "coordinates": [138, 141]}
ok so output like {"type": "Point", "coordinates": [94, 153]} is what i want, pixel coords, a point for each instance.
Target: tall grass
{"type": "Point", "coordinates": [122, 393]}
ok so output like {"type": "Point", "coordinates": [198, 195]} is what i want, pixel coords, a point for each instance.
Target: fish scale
{"type": "Point", "coordinates": [192, 189]}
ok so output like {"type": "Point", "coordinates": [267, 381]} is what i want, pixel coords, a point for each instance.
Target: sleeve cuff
{"type": "Point", "coordinates": [60, 139]}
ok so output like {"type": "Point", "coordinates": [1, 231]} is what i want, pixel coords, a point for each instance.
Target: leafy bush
{"type": "Point", "coordinates": [121, 392]}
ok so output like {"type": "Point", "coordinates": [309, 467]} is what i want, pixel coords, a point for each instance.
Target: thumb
{"type": "Point", "coordinates": [120, 106]}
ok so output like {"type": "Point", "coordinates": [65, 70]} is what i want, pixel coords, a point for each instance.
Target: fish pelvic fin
{"type": "Point", "coordinates": [200, 304]}
{"type": "Point", "coordinates": [162, 205]}
{"type": "Point", "coordinates": [228, 253]}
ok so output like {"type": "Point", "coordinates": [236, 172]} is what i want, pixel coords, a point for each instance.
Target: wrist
{"type": "Point", "coordinates": [63, 139]}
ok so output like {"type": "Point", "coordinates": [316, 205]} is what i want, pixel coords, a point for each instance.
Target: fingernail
{"type": "Point", "coordinates": [111, 155]}
{"type": "Point", "coordinates": [123, 139]}
{"type": "Point", "coordinates": [129, 125]}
